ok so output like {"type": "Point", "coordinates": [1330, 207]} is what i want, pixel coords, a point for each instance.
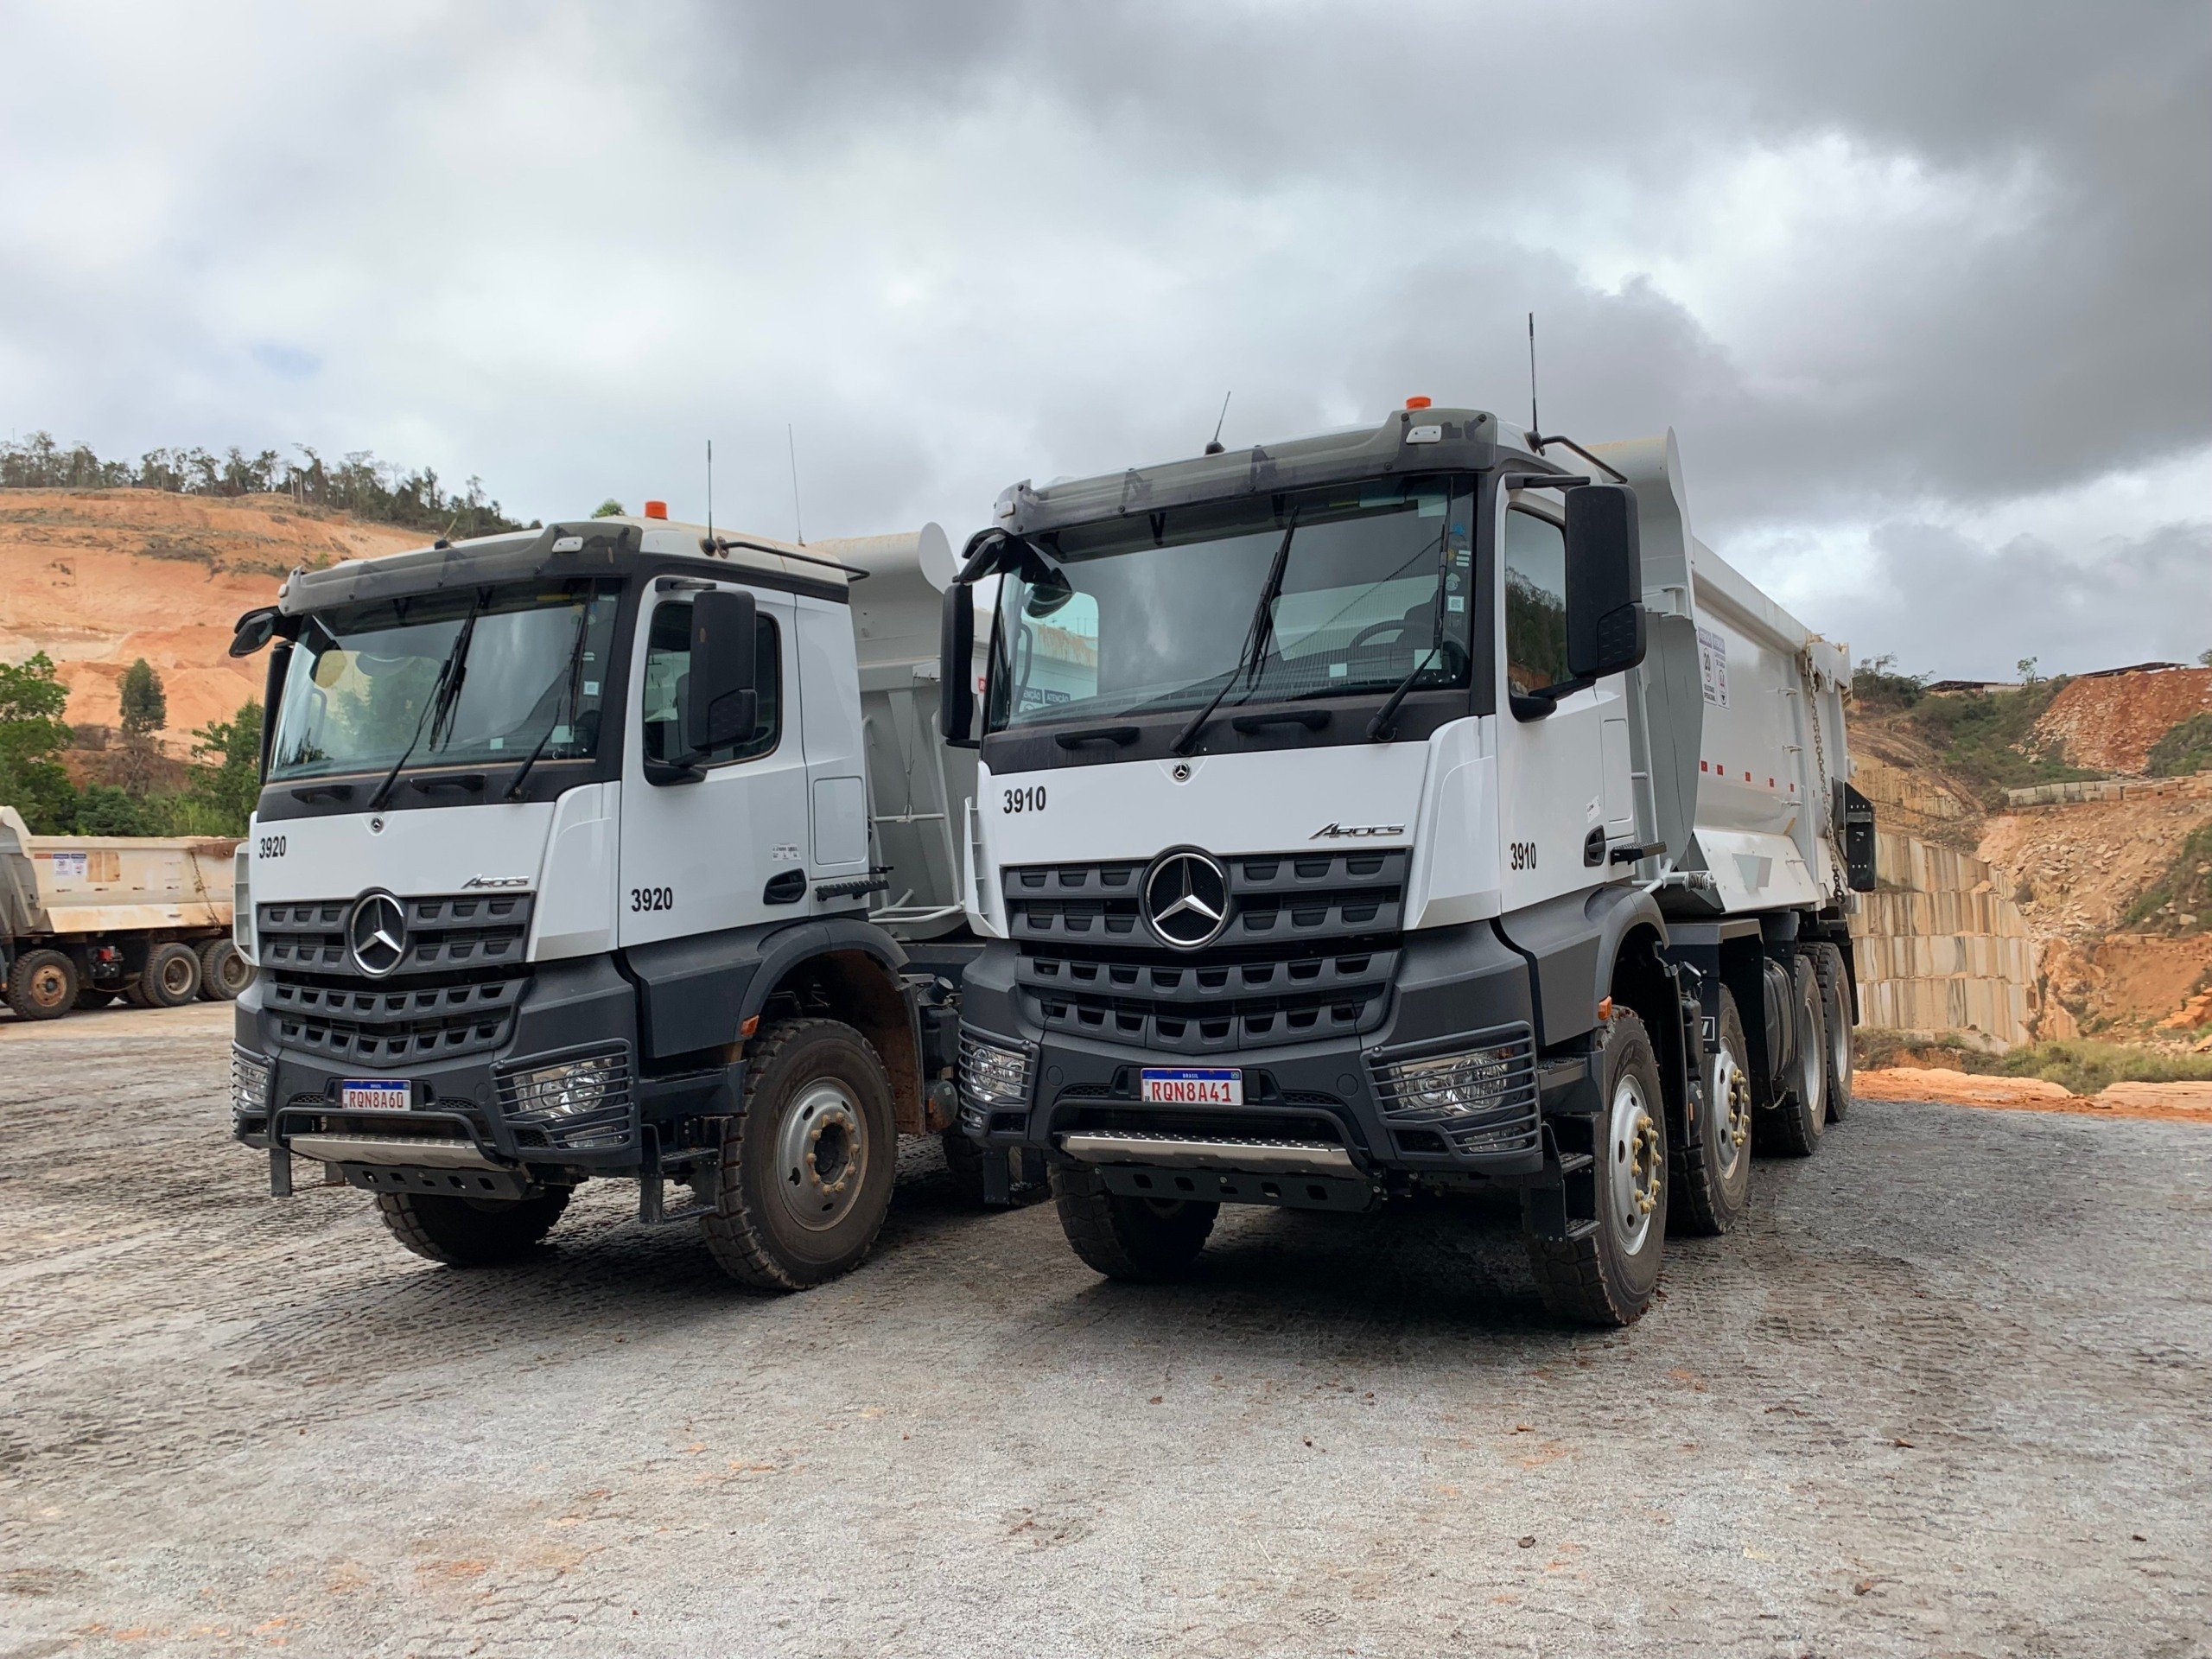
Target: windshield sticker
{"type": "Point", "coordinates": [1712, 666]}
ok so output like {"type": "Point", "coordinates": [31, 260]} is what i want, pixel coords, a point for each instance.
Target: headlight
{"type": "Point", "coordinates": [564, 1091]}
{"type": "Point", "coordinates": [992, 1072]}
{"type": "Point", "coordinates": [249, 1084]}
{"type": "Point", "coordinates": [1484, 1098]}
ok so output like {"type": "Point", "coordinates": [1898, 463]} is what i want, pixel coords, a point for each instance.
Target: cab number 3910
{"type": "Point", "coordinates": [1030, 798]}
{"type": "Point", "coordinates": [652, 898]}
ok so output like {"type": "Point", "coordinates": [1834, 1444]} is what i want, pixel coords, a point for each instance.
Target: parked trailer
{"type": "Point", "coordinates": [86, 919]}
{"type": "Point", "coordinates": [615, 850]}
{"type": "Point", "coordinates": [1513, 848]}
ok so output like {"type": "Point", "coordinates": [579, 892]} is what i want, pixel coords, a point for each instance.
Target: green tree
{"type": "Point", "coordinates": [2026, 666]}
{"type": "Point", "coordinates": [229, 780]}
{"type": "Point", "coordinates": [610, 508]}
{"type": "Point", "coordinates": [32, 733]}
{"type": "Point", "coordinates": [2204, 659]}
{"type": "Point", "coordinates": [145, 706]}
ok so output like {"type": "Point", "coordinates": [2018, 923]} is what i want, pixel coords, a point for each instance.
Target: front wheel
{"type": "Point", "coordinates": [1608, 1276]}
{"type": "Point", "coordinates": [42, 985]}
{"type": "Point", "coordinates": [1147, 1240]}
{"type": "Point", "coordinates": [460, 1232]}
{"type": "Point", "coordinates": [804, 1181]}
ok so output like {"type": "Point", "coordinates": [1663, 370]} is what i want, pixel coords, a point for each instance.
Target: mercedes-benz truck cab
{"type": "Point", "coordinates": [566, 865]}
{"type": "Point", "coordinates": [1347, 822]}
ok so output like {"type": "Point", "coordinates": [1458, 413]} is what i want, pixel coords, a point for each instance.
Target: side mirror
{"type": "Point", "coordinates": [255, 630]}
{"type": "Point", "coordinates": [722, 701]}
{"type": "Point", "coordinates": [956, 667]}
{"type": "Point", "coordinates": [1605, 581]}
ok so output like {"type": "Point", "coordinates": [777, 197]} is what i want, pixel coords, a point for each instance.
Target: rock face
{"type": "Point", "coordinates": [2110, 722]}
{"type": "Point", "coordinates": [98, 578]}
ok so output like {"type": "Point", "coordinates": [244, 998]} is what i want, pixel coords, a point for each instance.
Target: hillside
{"type": "Point", "coordinates": [96, 578]}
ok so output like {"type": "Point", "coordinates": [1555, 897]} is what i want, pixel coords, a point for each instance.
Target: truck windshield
{"type": "Point", "coordinates": [363, 678]}
{"type": "Point", "coordinates": [1149, 613]}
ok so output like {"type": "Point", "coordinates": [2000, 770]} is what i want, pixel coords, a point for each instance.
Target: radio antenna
{"type": "Point", "coordinates": [1213, 444]}
{"type": "Point", "coordinates": [1534, 428]}
{"type": "Point", "coordinates": [711, 492]}
{"type": "Point", "coordinates": [791, 443]}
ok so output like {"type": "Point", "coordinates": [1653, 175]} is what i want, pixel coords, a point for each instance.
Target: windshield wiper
{"type": "Point", "coordinates": [567, 705]}
{"type": "Point", "coordinates": [444, 693]}
{"type": "Point", "coordinates": [1249, 659]}
{"type": "Point", "coordinates": [1380, 729]}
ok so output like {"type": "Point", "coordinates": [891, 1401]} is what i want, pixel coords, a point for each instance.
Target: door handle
{"type": "Point", "coordinates": [1593, 846]}
{"type": "Point", "coordinates": [786, 888]}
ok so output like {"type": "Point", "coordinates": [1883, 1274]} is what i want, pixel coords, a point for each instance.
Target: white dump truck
{"type": "Point", "coordinates": [1416, 807]}
{"type": "Point", "coordinates": [86, 919]}
{"type": "Point", "coordinates": [619, 849]}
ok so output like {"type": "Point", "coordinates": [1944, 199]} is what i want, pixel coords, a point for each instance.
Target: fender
{"type": "Point", "coordinates": [698, 993]}
{"type": "Point", "coordinates": [1572, 943]}
{"type": "Point", "coordinates": [1618, 911]}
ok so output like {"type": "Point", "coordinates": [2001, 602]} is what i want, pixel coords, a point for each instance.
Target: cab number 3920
{"type": "Point", "coordinates": [652, 898]}
{"type": "Point", "coordinates": [1028, 799]}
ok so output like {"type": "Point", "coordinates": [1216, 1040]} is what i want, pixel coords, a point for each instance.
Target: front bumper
{"type": "Point", "coordinates": [1456, 989]}
{"type": "Point", "coordinates": [475, 1117]}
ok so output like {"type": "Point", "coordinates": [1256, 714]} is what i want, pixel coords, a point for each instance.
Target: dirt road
{"type": "Point", "coordinates": [1951, 1393]}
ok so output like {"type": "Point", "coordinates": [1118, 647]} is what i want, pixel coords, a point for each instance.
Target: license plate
{"type": "Point", "coordinates": [376, 1095]}
{"type": "Point", "coordinates": [1194, 1085]}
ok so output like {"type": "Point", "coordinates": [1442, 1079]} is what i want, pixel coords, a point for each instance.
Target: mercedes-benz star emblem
{"type": "Point", "coordinates": [1186, 898]}
{"type": "Point", "coordinates": [376, 934]}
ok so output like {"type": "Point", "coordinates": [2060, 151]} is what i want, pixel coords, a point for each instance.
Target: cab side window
{"type": "Point", "coordinates": [1535, 603]}
{"type": "Point", "coordinates": [668, 677]}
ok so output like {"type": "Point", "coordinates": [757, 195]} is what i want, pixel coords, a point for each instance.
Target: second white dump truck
{"type": "Point", "coordinates": [1417, 806]}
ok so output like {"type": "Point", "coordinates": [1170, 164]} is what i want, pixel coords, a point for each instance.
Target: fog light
{"type": "Point", "coordinates": [993, 1072]}
{"type": "Point", "coordinates": [249, 1084]}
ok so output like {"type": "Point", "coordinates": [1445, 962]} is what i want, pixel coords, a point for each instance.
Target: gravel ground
{"type": "Point", "coordinates": [1951, 1393]}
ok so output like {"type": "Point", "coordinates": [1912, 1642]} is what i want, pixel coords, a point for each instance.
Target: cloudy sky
{"type": "Point", "coordinates": [1925, 289]}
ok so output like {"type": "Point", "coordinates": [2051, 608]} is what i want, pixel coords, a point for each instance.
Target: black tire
{"type": "Point", "coordinates": [1609, 1277]}
{"type": "Point", "coordinates": [92, 996]}
{"type": "Point", "coordinates": [804, 1179]}
{"type": "Point", "coordinates": [471, 1232]}
{"type": "Point", "coordinates": [1793, 1127]}
{"type": "Point", "coordinates": [1713, 1185]}
{"type": "Point", "coordinates": [1147, 1241]}
{"type": "Point", "coordinates": [223, 972]}
{"type": "Point", "coordinates": [42, 985]}
{"type": "Point", "coordinates": [1836, 1008]}
{"type": "Point", "coordinates": [171, 978]}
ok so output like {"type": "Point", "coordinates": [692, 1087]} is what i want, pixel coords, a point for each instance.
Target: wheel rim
{"type": "Point", "coordinates": [1632, 1154]}
{"type": "Point", "coordinates": [1840, 1042]}
{"type": "Point", "coordinates": [48, 985]}
{"type": "Point", "coordinates": [231, 973]}
{"type": "Point", "coordinates": [1731, 1091]}
{"type": "Point", "coordinates": [821, 1153]}
{"type": "Point", "coordinates": [176, 976]}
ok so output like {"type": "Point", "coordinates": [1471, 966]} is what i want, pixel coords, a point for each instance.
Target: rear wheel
{"type": "Point", "coordinates": [470, 1232]}
{"type": "Point", "coordinates": [1607, 1278]}
{"type": "Point", "coordinates": [1836, 1000]}
{"type": "Point", "coordinates": [804, 1181]}
{"type": "Point", "coordinates": [172, 976]}
{"type": "Point", "coordinates": [1713, 1184]}
{"type": "Point", "coordinates": [1145, 1240]}
{"type": "Point", "coordinates": [223, 972]}
{"type": "Point", "coordinates": [42, 985]}
{"type": "Point", "coordinates": [1795, 1126]}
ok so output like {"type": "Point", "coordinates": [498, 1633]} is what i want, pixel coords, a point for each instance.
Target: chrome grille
{"type": "Point", "coordinates": [1308, 951]}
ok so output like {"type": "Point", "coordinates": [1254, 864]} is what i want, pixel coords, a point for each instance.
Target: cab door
{"type": "Point", "coordinates": [1560, 808]}
{"type": "Point", "coordinates": [726, 847]}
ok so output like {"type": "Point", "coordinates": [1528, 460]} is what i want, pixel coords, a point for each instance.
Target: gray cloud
{"type": "Point", "coordinates": [1881, 265]}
